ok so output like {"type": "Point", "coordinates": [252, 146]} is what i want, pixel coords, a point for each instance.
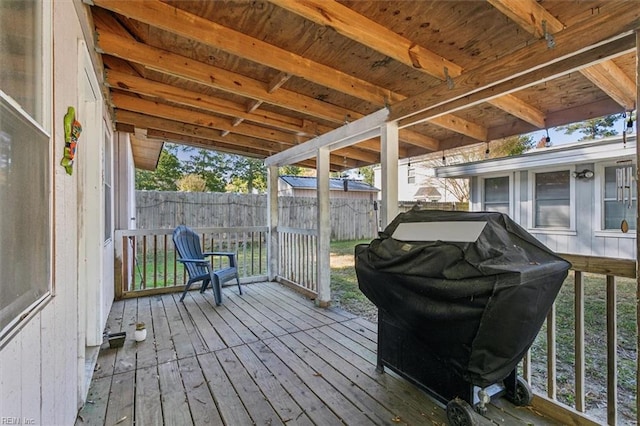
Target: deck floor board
{"type": "Point", "coordinates": [269, 356]}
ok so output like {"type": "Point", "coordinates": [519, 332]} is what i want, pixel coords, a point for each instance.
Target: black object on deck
{"type": "Point", "coordinates": [461, 298]}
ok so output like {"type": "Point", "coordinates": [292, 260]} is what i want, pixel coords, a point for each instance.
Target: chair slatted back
{"type": "Point", "coordinates": [187, 243]}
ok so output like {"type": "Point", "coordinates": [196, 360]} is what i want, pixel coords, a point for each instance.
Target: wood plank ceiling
{"type": "Point", "coordinates": [257, 77]}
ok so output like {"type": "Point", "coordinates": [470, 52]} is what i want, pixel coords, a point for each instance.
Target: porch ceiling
{"type": "Point", "coordinates": [259, 77]}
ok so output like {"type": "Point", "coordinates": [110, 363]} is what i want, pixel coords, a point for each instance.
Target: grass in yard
{"type": "Point", "coordinates": [344, 284]}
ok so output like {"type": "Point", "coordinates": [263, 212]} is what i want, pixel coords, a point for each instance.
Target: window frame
{"type": "Point", "coordinates": [531, 177]}
{"type": "Point", "coordinates": [41, 122]}
{"type": "Point", "coordinates": [599, 213]}
{"type": "Point", "coordinates": [482, 182]}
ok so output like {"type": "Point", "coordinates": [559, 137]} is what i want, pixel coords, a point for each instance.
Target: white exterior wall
{"type": "Point", "coordinates": [41, 366]}
{"type": "Point", "coordinates": [406, 190]}
{"type": "Point", "coordinates": [586, 238]}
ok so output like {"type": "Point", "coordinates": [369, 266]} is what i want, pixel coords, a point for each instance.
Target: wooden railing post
{"type": "Point", "coordinates": [324, 228]}
{"type": "Point", "coordinates": [612, 352]}
{"type": "Point", "coordinates": [272, 219]}
{"type": "Point", "coordinates": [579, 340]}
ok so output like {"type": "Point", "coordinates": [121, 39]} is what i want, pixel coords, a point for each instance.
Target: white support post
{"type": "Point", "coordinates": [389, 160]}
{"type": "Point", "coordinates": [324, 228]}
{"type": "Point", "coordinates": [272, 219]}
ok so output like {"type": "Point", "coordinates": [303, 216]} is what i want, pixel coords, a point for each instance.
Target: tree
{"type": "Point", "coordinates": [166, 174]}
{"type": "Point", "coordinates": [513, 145]}
{"type": "Point", "coordinates": [594, 128]}
{"type": "Point", "coordinates": [191, 183]}
{"type": "Point", "coordinates": [290, 170]}
{"type": "Point", "coordinates": [211, 166]}
{"type": "Point", "coordinates": [247, 174]}
{"type": "Point", "coordinates": [367, 174]}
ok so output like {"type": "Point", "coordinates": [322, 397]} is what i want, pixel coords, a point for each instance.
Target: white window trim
{"type": "Point", "coordinates": [532, 200]}
{"type": "Point", "coordinates": [598, 217]}
{"type": "Point", "coordinates": [46, 126]}
{"type": "Point", "coordinates": [511, 190]}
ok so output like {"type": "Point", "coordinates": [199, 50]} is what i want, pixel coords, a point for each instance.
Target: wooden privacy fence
{"type": "Point", "coordinates": [351, 219]}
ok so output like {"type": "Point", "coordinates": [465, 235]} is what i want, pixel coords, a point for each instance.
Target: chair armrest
{"type": "Point", "coordinates": [197, 261]}
{"type": "Point", "coordinates": [230, 255]}
{"type": "Point", "coordinates": [218, 253]}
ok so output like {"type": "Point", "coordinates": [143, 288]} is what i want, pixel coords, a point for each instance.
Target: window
{"type": "Point", "coordinates": [552, 197]}
{"type": "Point", "coordinates": [25, 171]}
{"type": "Point", "coordinates": [620, 198]}
{"type": "Point", "coordinates": [411, 175]}
{"type": "Point", "coordinates": [496, 194]}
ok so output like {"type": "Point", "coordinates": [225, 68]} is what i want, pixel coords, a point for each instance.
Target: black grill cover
{"type": "Point", "coordinates": [478, 305]}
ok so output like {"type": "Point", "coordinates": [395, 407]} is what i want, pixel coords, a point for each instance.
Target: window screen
{"type": "Point", "coordinates": [496, 194]}
{"type": "Point", "coordinates": [552, 200]}
{"type": "Point", "coordinates": [24, 219]}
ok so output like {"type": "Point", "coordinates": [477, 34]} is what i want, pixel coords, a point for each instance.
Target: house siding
{"type": "Point", "coordinates": [41, 365]}
{"type": "Point", "coordinates": [585, 238]}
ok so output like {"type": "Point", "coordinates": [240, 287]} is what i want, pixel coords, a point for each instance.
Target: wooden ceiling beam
{"type": "Point", "coordinates": [172, 93]}
{"type": "Point", "coordinates": [363, 30]}
{"type": "Point", "coordinates": [540, 75]}
{"type": "Point", "coordinates": [369, 33]}
{"type": "Point", "coordinates": [185, 24]}
{"type": "Point", "coordinates": [218, 146]}
{"type": "Point", "coordinates": [460, 125]}
{"type": "Point", "coordinates": [144, 120]}
{"type": "Point", "coordinates": [274, 85]}
{"type": "Point", "coordinates": [197, 142]}
{"type": "Point", "coordinates": [614, 82]}
{"type": "Point", "coordinates": [217, 78]}
{"type": "Point", "coordinates": [519, 108]}
{"type": "Point", "coordinates": [535, 19]}
{"type": "Point", "coordinates": [177, 21]}
{"type": "Point", "coordinates": [157, 109]}
{"type": "Point", "coordinates": [614, 21]}
{"type": "Point", "coordinates": [128, 82]}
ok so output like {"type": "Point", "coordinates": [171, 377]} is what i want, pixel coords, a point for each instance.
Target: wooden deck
{"type": "Point", "coordinates": [267, 357]}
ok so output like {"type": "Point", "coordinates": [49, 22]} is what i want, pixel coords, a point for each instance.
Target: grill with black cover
{"type": "Point", "coordinates": [461, 298]}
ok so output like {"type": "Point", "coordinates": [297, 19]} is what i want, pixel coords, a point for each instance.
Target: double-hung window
{"type": "Point", "coordinates": [619, 197]}
{"type": "Point", "coordinates": [411, 175]}
{"type": "Point", "coordinates": [496, 194]}
{"type": "Point", "coordinates": [25, 160]}
{"type": "Point", "coordinates": [552, 200]}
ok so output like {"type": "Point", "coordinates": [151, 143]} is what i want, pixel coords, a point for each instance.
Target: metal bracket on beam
{"type": "Point", "coordinates": [551, 40]}
{"type": "Point", "coordinates": [448, 79]}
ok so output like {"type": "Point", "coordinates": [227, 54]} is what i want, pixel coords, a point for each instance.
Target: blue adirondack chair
{"type": "Point", "coordinates": [187, 244]}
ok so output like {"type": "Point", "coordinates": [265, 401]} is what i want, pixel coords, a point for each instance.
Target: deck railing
{"type": "Point", "coordinates": [582, 359]}
{"type": "Point", "coordinates": [148, 264]}
{"type": "Point", "coordinates": [297, 259]}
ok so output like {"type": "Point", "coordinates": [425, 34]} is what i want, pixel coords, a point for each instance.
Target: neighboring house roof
{"type": "Point", "coordinates": [427, 192]}
{"type": "Point", "coordinates": [305, 182]}
{"type": "Point", "coordinates": [579, 152]}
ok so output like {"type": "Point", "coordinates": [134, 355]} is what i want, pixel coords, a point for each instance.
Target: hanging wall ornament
{"type": "Point", "coordinates": [72, 130]}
